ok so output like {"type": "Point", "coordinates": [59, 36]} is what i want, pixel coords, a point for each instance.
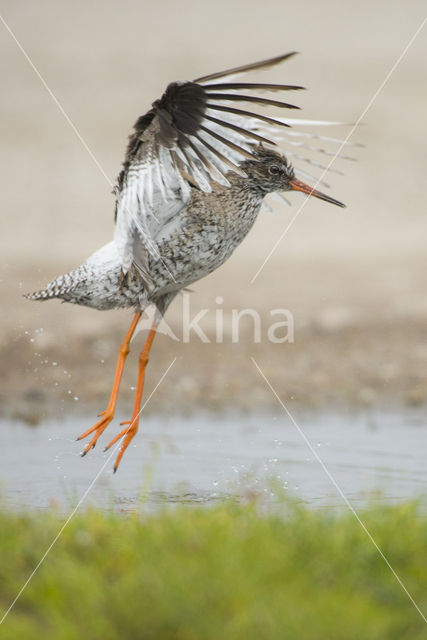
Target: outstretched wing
{"type": "Point", "coordinates": [195, 134]}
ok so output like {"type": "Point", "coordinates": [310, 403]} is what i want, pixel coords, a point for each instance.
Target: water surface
{"type": "Point", "coordinates": [206, 458]}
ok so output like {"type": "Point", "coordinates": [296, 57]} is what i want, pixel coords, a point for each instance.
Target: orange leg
{"type": "Point", "coordinates": [129, 432]}
{"type": "Point", "coordinates": [108, 414]}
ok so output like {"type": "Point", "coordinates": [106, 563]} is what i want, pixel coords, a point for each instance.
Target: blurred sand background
{"type": "Point", "coordinates": [355, 279]}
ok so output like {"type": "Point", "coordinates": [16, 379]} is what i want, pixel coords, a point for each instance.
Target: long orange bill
{"type": "Point", "coordinates": [297, 185]}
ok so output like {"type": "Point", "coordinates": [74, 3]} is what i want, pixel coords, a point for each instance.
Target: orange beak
{"type": "Point", "coordinates": [297, 185]}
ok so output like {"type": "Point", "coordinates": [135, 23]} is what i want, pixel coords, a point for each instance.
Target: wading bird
{"type": "Point", "coordinates": [196, 171]}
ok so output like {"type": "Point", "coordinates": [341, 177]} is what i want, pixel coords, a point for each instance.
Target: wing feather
{"type": "Point", "coordinates": [195, 134]}
{"type": "Point", "coordinates": [264, 64]}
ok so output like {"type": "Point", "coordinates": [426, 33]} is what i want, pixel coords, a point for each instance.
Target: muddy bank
{"type": "Point", "coordinates": [47, 372]}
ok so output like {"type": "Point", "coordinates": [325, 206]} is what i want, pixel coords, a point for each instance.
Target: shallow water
{"type": "Point", "coordinates": [206, 458]}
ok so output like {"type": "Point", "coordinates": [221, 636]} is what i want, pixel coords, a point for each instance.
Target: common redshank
{"type": "Point", "coordinates": [196, 171]}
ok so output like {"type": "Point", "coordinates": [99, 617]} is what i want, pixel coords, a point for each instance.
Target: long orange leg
{"type": "Point", "coordinates": [108, 414]}
{"type": "Point", "coordinates": [129, 432]}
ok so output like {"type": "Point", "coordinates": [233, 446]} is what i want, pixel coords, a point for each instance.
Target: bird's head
{"type": "Point", "coordinates": [271, 171]}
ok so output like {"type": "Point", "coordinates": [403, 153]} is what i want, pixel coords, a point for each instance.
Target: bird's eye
{"type": "Point", "coordinates": [274, 170]}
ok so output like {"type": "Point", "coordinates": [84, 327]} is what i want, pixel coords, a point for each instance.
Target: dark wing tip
{"type": "Point", "coordinates": [246, 98]}
{"type": "Point", "coordinates": [253, 86]}
{"type": "Point", "coordinates": [263, 64]}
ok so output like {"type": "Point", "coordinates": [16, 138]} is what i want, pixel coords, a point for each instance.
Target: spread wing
{"type": "Point", "coordinates": [194, 135]}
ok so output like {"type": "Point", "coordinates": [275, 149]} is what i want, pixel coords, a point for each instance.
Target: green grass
{"type": "Point", "coordinates": [230, 572]}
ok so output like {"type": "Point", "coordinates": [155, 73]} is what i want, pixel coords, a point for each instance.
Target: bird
{"type": "Point", "coordinates": [197, 169]}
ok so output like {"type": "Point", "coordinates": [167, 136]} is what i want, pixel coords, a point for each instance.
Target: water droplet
{"type": "Point", "coordinates": [75, 398]}
{"type": "Point", "coordinates": [32, 339]}
{"type": "Point", "coordinates": [54, 364]}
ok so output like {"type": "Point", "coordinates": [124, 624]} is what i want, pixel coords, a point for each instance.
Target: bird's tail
{"type": "Point", "coordinates": [61, 288]}
{"type": "Point", "coordinates": [96, 283]}
{"type": "Point", "coordinates": [85, 286]}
